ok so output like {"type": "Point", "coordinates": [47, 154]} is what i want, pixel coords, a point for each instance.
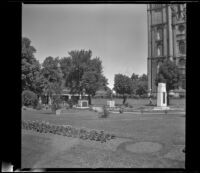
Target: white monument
{"type": "Point", "coordinates": [83, 104]}
{"type": "Point", "coordinates": [58, 111]}
{"type": "Point", "coordinates": [161, 97]}
{"type": "Point", "coordinates": [111, 103]}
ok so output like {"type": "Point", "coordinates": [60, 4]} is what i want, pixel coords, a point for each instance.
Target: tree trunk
{"type": "Point", "coordinates": [168, 98]}
{"type": "Point", "coordinates": [124, 99]}
{"type": "Point", "coordinates": [89, 100]}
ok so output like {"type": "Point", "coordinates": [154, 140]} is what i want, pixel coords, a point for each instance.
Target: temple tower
{"type": "Point", "coordinates": [166, 39]}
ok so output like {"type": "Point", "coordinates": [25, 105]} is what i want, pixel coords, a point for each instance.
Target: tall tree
{"type": "Point", "coordinates": [83, 73]}
{"type": "Point", "coordinates": [134, 77]}
{"type": "Point", "coordinates": [51, 76]}
{"type": "Point", "coordinates": [79, 62]}
{"type": "Point", "coordinates": [142, 85]}
{"type": "Point", "coordinates": [30, 66]}
{"type": "Point", "coordinates": [123, 85]}
{"type": "Point", "coordinates": [168, 73]}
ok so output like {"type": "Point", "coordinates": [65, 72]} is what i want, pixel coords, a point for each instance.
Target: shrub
{"type": "Point", "coordinates": [56, 103]}
{"type": "Point", "coordinates": [142, 110]}
{"type": "Point", "coordinates": [70, 103]}
{"type": "Point", "coordinates": [126, 104]}
{"type": "Point", "coordinates": [121, 110]}
{"type": "Point", "coordinates": [85, 134]}
{"type": "Point", "coordinates": [105, 112]}
{"type": "Point", "coordinates": [29, 98]}
{"type": "Point", "coordinates": [39, 106]}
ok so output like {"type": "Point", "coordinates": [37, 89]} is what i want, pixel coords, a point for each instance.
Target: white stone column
{"type": "Point", "coordinates": [162, 97]}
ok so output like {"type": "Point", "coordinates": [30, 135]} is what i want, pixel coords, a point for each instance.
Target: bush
{"type": "Point", "coordinates": [56, 103]}
{"type": "Point", "coordinates": [70, 103]}
{"type": "Point", "coordinates": [128, 105]}
{"type": "Point", "coordinates": [121, 110]}
{"type": "Point", "coordinates": [29, 98]}
{"type": "Point", "coordinates": [67, 130]}
{"type": "Point", "coordinates": [39, 106]}
{"type": "Point", "coordinates": [105, 112]}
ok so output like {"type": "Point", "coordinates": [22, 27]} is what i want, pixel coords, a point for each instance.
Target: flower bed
{"type": "Point", "coordinates": [67, 130]}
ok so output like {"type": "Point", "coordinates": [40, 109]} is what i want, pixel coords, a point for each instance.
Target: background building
{"type": "Point", "coordinates": [166, 39]}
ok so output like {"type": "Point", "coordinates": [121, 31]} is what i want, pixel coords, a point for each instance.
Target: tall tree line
{"type": "Point", "coordinates": [78, 72]}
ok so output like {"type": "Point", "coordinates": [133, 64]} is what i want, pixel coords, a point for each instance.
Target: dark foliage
{"type": "Point", "coordinates": [67, 130]}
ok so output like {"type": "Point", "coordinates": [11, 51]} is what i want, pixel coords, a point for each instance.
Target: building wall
{"type": "Point", "coordinates": [166, 31]}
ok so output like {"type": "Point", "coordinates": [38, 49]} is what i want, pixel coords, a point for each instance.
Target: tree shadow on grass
{"type": "Point", "coordinates": [51, 113]}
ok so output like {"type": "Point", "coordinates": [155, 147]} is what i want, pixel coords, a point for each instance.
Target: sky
{"type": "Point", "coordinates": [117, 33]}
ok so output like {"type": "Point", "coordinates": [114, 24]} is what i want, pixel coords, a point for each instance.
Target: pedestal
{"type": "Point", "coordinates": [161, 97]}
{"type": "Point", "coordinates": [58, 111]}
{"type": "Point", "coordinates": [111, 103]}
{"type": "Point", "coordinates": [83, 104]}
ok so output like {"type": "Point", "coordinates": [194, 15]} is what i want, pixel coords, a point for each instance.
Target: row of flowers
{"type": "Point", "coordinates": [67, 130]}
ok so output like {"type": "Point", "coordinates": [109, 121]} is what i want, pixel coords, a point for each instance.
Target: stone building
{"type": "Point", "coordinates": [166, 39]}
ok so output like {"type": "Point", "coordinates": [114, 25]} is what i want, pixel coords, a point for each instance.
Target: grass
{"type": "Point", "coordinates": [180, 103]}
{"type": "Point", "coordinates": [47, 150]}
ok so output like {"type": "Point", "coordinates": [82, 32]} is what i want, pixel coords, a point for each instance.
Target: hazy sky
{"type": "Point", "coordinates": [117, 33]}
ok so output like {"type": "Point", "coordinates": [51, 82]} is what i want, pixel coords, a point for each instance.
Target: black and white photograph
{"type": "Point", "coordinates": [103, 85]}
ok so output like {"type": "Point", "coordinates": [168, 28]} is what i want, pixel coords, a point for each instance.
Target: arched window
{"type": "Point", "coordinates": [159, 34]}
{"type": "Point", "coordinates": [158, 66]}
{"type": "Point", "coordinates": [159, 50]}
{"type": "Point", "coordinates": [181, 28]}
{"type": "Point", "coordinates": [182, 48]}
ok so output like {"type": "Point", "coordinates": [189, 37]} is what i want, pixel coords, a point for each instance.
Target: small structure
{"type": "Point", "coordinates": [83, 104]}
{"type": "Point", "coordinates": [161, 97]}
{"type": "Point", "coordinates": [111, 103]}
{"type": "Point", "coordinates": [58, 111]}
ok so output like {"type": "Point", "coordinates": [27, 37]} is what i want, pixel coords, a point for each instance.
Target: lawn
{"type": "Point", "coordinates": [180, 103]}
{"type": "Point", "coordinates": [47, 150]}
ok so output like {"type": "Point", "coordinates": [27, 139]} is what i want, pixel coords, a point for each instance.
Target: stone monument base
{"type": "Point", "coordinates": [58, 111]}
{"type": "Point", "coordinates": [111, 103]}
{"type": "Point", "coordinates": [83, 104]}
{"type": "Point", "coordinates": [78, 107]}
{"type": "Point", "coordinates": [157, 108]}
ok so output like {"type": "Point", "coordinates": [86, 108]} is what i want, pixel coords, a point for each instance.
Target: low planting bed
{"type": "Point", "coordinates": [67, 130]}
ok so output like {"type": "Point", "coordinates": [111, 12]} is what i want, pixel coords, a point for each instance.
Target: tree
{"type": "Point", "coordinates": [66, 66]}
{"type": "Point", "coordinates": [51, 77]}
{"type": "Point", "coordinates": [81, 72]}
{"type": "Point", "coordinates": [30, 66]}
{"type": "Point", "coordinates": [79, 62]}
{"type": "Point", "coordinates": [29, 98]}
{"type": "Point", "coordinates": [142, 85]}
{"type": "Point", "coordinates": [109, 93]}
{"type": "Point", "coordinates": [123, 85]}
{"type": "Point", "coordinates": [134, 77]}
{"type": "Point", "coordinates": [91, 82]}
{"type": "Point", "coordinates": [168, 73]}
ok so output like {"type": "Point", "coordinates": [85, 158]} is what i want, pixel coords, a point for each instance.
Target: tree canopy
{"type": "Point", "coordinates": [51, 76]}
{"type": "Point", "coordinates": [123, 85]}
{"type": "Point", "coordinates": [168, 73]}
{"type": "Point", "coordinates": [82, 73]}
{"type": "Point", "coordinates": [30, 66]}
{"type": "Point", "coordinates": [140, 84]}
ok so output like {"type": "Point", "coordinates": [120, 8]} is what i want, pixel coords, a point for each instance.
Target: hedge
{"type": "Point", "coordinates": [67, 130]}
